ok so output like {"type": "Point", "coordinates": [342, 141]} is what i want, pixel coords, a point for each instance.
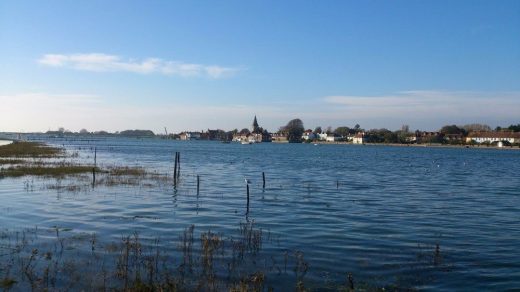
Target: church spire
{"type": "Point", "coordinates": [255, 127]}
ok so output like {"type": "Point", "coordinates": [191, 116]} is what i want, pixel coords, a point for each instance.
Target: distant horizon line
{"type": "Point", "coordinates": [160, 133]}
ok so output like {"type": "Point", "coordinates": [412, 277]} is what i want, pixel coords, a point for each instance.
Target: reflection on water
{"type": "Point", "coordinates": [428, 218]}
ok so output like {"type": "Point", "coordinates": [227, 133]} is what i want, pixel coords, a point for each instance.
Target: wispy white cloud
{"type": "Point", "coordinates": [426, 107]}
{"type": "Point", "coordinates": [97, 62]}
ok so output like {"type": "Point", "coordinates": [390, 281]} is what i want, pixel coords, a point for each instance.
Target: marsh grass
{"type": "Point", "coordinates": [29, 149]}
{"type": "Point", "coordinates": [12, 161]}
{"type": "Point", "coordinates": [57, 258]}
{"type": "Point", "coordinates": [40, 170]}
{"type": "Point", "coordinates": [37, 159]}
{"type": "Point", "coordinates": [60, 259]}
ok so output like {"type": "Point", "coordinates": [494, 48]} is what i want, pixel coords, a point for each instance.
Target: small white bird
{"type": "Point", "coordinates": [247, 181]}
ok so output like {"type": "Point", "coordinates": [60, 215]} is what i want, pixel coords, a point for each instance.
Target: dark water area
{"type": "Point", "coordinates": [411, 217]}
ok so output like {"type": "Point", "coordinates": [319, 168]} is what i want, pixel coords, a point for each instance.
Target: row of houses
{"type": "Point", "coordinates": [205, 135]}
{"type": "Point", "coordinates": [331, 137]}
{"type": "Point", "coordinates": [492, 137]}
{"type": "Point", "coordinates": [258, 134]}
{"type": "Point", "coordinates": [419, 137]}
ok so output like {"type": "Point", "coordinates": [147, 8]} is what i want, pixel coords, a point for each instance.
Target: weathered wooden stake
{"type": "Point", "coordinates": [175, 170]}
{"type": "Point", "coordinates": [95, 156]}
{"type": "Point", "coordinates": [179, 164]}
{"type": "Point", "coordinates": [198, 185]}
{"type": "Point", "coordinates": [93, 176]}
{"type": "Point", "coordinates": [337, 184]}
{"type": "Point", "coordinates": [247, 189]}
{"type": "Point", "coordinates": [263, 179]}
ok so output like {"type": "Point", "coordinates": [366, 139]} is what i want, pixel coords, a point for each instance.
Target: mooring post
{"type": "Point", "coordinates": [198, 185]}
{"type": "Point", "coordinates": [93, 176]}
{"type": "Point", "coordinates": [179, 164]}
{"type": "Point", "coordinates": [263, 179]}
{"type": "Point", "coordinates": [95, 156]}
{"type": "Point", "coordinates": [350, 281]}
{"type": "Point", "coordinates": [175, 170]}
{"type": "Point", "coordinates": [247, 190]}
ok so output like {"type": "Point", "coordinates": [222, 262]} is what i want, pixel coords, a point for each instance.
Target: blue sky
{"type": "Point", "coordinates": [193, 65]}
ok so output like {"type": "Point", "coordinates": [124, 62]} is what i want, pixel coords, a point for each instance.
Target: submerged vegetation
{"type": "Point", "coordinates": [202, 261]}
{"type": "Point", "coordinates": [39, 170]}
{"type": "Point", "coordinates": [37, 159]}
{"type": "Point", "coordinates": [29, 149]}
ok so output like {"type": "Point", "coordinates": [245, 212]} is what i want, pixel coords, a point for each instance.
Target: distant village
{"type": "Point", "coordinates": [294, 132]}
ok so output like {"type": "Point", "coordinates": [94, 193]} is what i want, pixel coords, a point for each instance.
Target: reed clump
{"type": "Point", "coordinates": [11, 161]}
{"type": "Point", "coordinates": [127, 171]}
{"type": "Point", "coordinates": [42, 170]}
{"type": "Point", "coordinates": [29, 149]}
{"type": "Point", "coordinates": [47, 260]}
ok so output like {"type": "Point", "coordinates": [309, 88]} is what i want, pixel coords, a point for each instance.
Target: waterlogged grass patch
{"type": "Point", "coordinates": [7, 283]}
{"type": "Point", "coordinates": [11, 161]}
{"type": "Point", "coordinates": [29, 149]}
{"type": "Point", "coordinates": [42, 170]}
{"type": "Point", "coordinates": [127, 171]}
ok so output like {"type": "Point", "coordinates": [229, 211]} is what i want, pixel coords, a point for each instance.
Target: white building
{"type": "Point", "coordinates": [359, 138]}
{"type": "Point", "coordinates": [490, 137]}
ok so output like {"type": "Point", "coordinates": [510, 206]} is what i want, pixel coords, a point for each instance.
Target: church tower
{"type": "Point", "coordinates": [255, 128]}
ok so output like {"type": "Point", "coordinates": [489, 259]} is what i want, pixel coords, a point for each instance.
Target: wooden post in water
{"type": "Point", "coordinates": [198, 185]}
{"type": "Point", "coordinates": [95, 156]}
{"type": "Point", "coordinates": [175, 170]}
{"type": "Point", "coordinates": [263, 179]}
{"type": "Point", "coordinates": [93, 176]}
{"type": "Point", "coordinates": [247, 189]}
{"type": "Point", "coordinates": [179, 164]}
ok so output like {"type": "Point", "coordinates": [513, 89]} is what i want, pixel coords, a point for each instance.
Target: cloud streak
{"type": "Point", "coordinates": [96, 62]}
{"type": "Point", "coordinates": [430, 104]}
{"type": "Point", "coordinates": [425, 110]}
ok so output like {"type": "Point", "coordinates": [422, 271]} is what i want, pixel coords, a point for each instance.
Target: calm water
{"type": "Point", "coordinates": [426, 218]}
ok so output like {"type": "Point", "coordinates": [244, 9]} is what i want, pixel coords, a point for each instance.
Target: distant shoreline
{"type": "Point", "coordinates": [419, 145]}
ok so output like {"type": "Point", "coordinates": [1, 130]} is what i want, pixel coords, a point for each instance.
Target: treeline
{"type": "Point", "coordinates": [84, 132]}
{"type": "Point", "coordinates": [452, 134]}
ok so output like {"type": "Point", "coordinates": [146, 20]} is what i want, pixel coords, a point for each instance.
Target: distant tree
{"type": "Point", "coordinates": [137, 133]}
{"type": "Point", "coordinates": [357, 129]}
{"type": "Point", "coordinates": [61, 129]}
{"type": "Point", "coordinates": [498, 129]}
{"type": "Point", "coordinates": [373, 136]}
{"type": "Point", "coordinates": [452, 129]}
{"type": "Point", "coordinates": [83, 131]}
{"type": "Point", "coordinates": [294, 130]}
{"type": "Point", "coordinates": [317, 130]}
{"type": "Point", "coordinates": [476, 128]}
{"type": "Point", "coordinates": [342, 131]}
{"type": "Point", "coordinates": [405, 129]}
{"type": "Point", "coordinates": [329, 130]}
{"type": "Point", "coordinates": [245, 131]}
{"type": "Point", "coordinates": [514, 128]}
{"type": "Point", "coordinates": [391, 137]}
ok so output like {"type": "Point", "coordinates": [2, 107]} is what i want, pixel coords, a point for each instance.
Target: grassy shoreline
{"type": "Point", "coordinates": [37, 159]}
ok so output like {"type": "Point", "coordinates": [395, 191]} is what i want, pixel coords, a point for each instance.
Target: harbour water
{"type": "Point", "coordinates": [407, 217]}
